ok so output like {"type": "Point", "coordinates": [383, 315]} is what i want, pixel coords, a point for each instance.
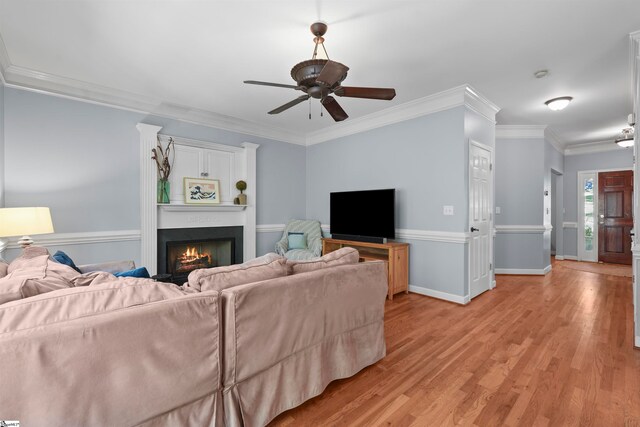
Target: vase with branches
{"type": "Point", "coordinates": [164, 157]}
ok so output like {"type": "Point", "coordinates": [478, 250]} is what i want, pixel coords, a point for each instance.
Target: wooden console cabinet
{"type": "Point", "coordinates": [395, 255]}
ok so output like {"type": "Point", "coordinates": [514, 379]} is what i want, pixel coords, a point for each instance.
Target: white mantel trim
{"type": "Point", "coordinates": [149, 210]}
{"type": "Point", "coordinates": [457, 96]}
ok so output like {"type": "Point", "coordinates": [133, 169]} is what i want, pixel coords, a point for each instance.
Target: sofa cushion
{"type": "Point", "coordinates": [66, 304]}
{"type": "Point", "coordinates": [340, 257]}
{"type": "Point", "coordinates": [34, 273]}
{"type": "Point", "coordinates": [3, 269]}
{"type": "Point", "coordinates": [265, 267]}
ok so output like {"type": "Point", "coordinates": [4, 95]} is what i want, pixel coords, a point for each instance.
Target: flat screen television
{"type": "Point", "coordinates": [363, 215]}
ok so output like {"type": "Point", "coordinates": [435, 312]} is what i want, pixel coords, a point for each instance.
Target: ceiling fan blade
{"type": "Point", "coordinates": [289, 104]}
{"type": "Point", "coordinates": [331, 73]}
{"type": "Point", "coordinates": [255, 82]}
{"type": "Point", "coordinates": [333, 108]}
{"type": "Point", "coordinates": [366, 92]}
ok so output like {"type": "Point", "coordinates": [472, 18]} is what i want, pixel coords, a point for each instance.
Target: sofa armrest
{"type": "Point", "coordinates": [109, 267]}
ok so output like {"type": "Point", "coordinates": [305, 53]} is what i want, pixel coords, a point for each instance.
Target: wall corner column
{"type": "Point", "coordinates": [148, 198]}
{"type": "Point", "coordinates": [249, 229]}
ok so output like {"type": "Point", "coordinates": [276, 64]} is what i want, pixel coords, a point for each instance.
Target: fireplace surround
{"type": "Point", "coordinates": [182, 250]}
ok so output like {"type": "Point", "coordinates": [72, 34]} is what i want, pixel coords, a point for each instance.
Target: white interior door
{"type": "Point", "coordinates": [480, 202]}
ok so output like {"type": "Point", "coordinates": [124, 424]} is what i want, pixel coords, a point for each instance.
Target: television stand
{"type": "Point", "coordinates": [394, 254]}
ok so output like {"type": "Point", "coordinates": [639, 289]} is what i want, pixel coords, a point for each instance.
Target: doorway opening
{"type": "Point", "coordinates": [605, 216]}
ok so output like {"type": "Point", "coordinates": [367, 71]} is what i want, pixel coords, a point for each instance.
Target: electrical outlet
{"type": "Point", "coordinates": [498, 210]}
{"type": "Point", "coordinates": [447, 210]}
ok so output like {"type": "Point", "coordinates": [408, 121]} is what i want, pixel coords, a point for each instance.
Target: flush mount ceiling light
{"type": "Point", "coordinates": [541, 74]}
{"type": "Point", "coordinates": [625, 139]}
{"type": "Point", "coordinates": [557, 104]}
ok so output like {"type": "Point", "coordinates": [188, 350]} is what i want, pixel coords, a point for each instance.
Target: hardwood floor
{"type": "Point", "coordinates": [554, 350]}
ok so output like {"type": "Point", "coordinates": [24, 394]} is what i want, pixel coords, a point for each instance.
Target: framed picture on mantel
{"type": "Point", "coordinates": [199, 191]}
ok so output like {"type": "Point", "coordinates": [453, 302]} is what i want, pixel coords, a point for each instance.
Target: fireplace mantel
{"type": "Point", "coordinates": [176, 215]}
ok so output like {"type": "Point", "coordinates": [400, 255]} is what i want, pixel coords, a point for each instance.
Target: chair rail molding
{"type": "Point", "coordinates": [523, 229]}
{"type": "Point", "coordinates": [79, 238]}
{"type": "Point", "coordinates": [569, 224]}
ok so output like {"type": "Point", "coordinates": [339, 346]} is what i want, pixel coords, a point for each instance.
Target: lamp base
{"type": "Point", "coordinates": [25, 242]}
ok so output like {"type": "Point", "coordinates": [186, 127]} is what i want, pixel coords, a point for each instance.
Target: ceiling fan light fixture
{"type": "Point", "coordinates": [560, 103]}
{"type": "Point", "coordinates": [625, 138]}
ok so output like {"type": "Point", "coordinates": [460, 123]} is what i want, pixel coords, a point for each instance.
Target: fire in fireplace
{"type": "Point", "coordinates": [182, 250]}
{"type": "Point", "coordinates": [184, 257]}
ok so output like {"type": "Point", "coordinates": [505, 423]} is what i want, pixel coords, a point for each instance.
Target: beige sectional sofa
{"type": "Point", "coordinates": [135, 352]}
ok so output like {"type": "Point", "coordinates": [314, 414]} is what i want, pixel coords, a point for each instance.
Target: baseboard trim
{"type": "Point", "coordinates": [524, 271]}
{"type": "Point", "coordinates": [559, 257]}
{"type": "Point", "coordinates": [570, 257]}
{"type": "Point", "coordinates": [493, 284]}
{"type": "Point", "coordinates": [463, 300]}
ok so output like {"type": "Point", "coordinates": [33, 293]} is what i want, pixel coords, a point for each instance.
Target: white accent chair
{"type": "Point", "coordinates": [313, 233]}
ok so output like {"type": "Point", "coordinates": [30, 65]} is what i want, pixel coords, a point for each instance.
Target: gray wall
{"type": "Point", "coordinates": [619, 158]}
{"type": "Point", "coordinates": [424, 159]}
{"type": "Point", "coordinates": [82, 160]}
{"type": "Point", "coordinates": [2, 157]}
{"type": "Point", "coordinates": [553, 162]}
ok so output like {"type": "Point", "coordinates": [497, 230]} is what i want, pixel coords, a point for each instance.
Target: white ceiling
{"type": "Point", "coordinates": [197, 53]}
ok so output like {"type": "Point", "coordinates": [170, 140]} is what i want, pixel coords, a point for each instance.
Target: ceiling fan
{"type": "Point", "coordinates": [320, 78]}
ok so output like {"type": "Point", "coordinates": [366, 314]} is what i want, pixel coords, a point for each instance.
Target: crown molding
{"type": "Point", "coordinates": [36, 81]}
{"type": "Point", "coordinates": [445, 100]}
{"type": "Point", "coordinates": [554, 140]}
{"type": "Point", "coordinates": [593, 147]}
{"type": "Point", "coordinates": [520, 131]}
{"type": "Point", "coordinates": [480, 104]}
{"type": "Point", "coordinates": [4, 61]}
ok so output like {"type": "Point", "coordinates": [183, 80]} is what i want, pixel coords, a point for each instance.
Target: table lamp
{"type": "Point", "coordinates": [24, 222]}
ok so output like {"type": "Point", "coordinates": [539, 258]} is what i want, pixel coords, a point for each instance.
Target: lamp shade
{"type": "Point", "coordinates": [25, 221]}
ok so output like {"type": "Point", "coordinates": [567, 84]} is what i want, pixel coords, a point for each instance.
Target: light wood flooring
{"type": "Point", "coordinates": [554, 350]}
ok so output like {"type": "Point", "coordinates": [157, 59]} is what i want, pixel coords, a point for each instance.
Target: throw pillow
{"type": "Point", "coordinates": [265, 267]}
{"type": "Point", "coordinates": [140, 272]}
{"type": "Point", "coordinates": [342, 256]}
{"type": "Point", "coordinates": [63, 258]}
{"type": "Point", "coordinates": [297, 241]}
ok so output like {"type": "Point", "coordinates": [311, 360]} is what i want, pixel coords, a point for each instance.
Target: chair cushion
{"type": "Point", "coordinates": [340, 257]}
{"type": "Point", "coordinates": [297, 241]}
{"type": "Point", "coordinates": [265, 267]}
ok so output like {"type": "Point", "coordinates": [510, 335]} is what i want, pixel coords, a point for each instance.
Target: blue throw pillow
{"type": "Point", "coordinates": [63, 258]}
{"type": "Point", "coordinates": [140, 272]}
{"type": "Point", "coordinates": [297, 241]}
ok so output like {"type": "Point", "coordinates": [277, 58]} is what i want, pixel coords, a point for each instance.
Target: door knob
{"type": "Point", "coordinates": [474, 229]}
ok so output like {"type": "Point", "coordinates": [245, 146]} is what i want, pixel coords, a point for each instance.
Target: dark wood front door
{"type": "Point", "coordinates": [615, 216]}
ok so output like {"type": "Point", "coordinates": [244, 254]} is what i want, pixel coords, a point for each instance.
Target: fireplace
{"type": "Point", "coordinates": [182, 250]}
